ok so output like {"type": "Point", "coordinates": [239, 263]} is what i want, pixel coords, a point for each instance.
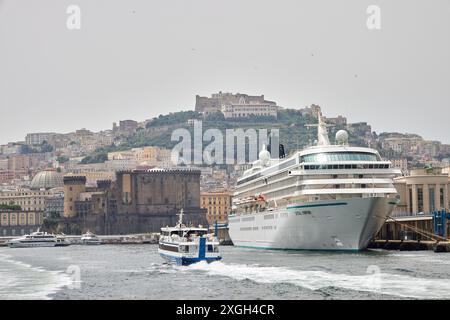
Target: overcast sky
{"type": "Point", "coordinates": [138, 59]}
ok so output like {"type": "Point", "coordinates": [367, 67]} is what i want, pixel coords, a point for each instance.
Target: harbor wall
{"type": "Point", "coordinates": [132, 223]}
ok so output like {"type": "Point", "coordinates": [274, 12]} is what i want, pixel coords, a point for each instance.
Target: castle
{"type": "Point", "coordinates": [138, 201]}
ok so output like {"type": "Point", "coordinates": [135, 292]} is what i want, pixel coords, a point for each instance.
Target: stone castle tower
{"type": "Point", "coordinates": [73, 187]}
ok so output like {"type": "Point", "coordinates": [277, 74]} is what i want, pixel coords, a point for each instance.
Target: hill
{"type": "Point", "coordinates": [291, 123]}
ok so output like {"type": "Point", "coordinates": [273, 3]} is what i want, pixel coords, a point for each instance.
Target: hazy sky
{"type": "Point", "coordinates": [138, 59]}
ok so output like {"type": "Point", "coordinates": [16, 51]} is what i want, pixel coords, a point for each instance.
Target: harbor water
{"type": "Point", "coordinates": [137, 272]}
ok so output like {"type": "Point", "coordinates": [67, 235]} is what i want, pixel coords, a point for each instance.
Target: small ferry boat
{"type": "Point", "coordinates": [35, 239]}
{"type": "Point", "coordinates": [90, 239]}
{"type": "Point", "coordinates": [61, 241]}
{"type": "Point", "coordinates": [185, 245]}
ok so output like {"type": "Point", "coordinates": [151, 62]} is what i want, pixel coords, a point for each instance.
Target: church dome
{"type": "Point", "coordinates": [47, 179]}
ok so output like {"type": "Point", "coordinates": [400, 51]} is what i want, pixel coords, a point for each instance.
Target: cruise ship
{"type": "Point", "coordinates": [325, 197]}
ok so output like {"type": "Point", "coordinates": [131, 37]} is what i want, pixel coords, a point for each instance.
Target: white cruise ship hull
{"type": "Point", "coordinates": [347, 224]}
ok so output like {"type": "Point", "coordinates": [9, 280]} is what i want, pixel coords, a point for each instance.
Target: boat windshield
{"type": "Point", "coordinates": [339, 156]}
{"type": "Point", "coordinates": [188, 233]}
{"type": "Point", "coordinates": [197, 232]}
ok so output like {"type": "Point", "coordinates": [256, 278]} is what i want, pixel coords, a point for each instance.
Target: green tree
{"type": "Point", "coordinates": [62, 159]}
{"type": "Point", "coordinates": [96, 158]}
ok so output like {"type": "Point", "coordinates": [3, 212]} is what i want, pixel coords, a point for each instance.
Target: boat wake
{"type": "Point", "coordinates": [378, 283]}
{"type": "Point", "coordinates": [21, 281]}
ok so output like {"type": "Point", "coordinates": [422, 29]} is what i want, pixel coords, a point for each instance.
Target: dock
{"type": "Point", "coordinates": [410, 245]}
{"type": "Point", "coordinates": [144, 238]}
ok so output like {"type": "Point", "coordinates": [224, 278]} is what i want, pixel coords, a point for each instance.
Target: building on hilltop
{"type": "Point", "coordinates": [337, 121]}
{"type": "Point", "coordinates": [39, 138]}
{"type": "Point", "coordinates": [311, 111]}
{"type": "Point", "coordinates": [235, 105]}
{"type": "Point", "coordinates": [125, 126]}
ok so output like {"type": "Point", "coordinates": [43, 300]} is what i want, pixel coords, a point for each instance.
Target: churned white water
{"type": "Point", "coordinates": [137, 272]}
{"type": "Point", "coordinates": [20, 281]}
{"type": "Point", "coordinates": [374, 281]}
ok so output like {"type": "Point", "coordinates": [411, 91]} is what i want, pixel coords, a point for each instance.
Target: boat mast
{"type": "Point", "coordinates": [180, 220]}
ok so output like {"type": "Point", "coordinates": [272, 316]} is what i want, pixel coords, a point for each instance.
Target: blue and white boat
{"type": "Point", "coordinates": [184, 245]}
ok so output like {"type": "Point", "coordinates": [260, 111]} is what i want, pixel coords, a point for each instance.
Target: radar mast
{"type": "Point", "coordinates": [322, 132]}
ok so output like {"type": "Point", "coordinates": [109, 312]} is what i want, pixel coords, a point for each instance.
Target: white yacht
{"type": "Point", "coordinates": [325, 197]}
{"type": "Point", "coordinates": [184, 245]}
{"type": "Point", "coordinates": [90, 239]}
{"type": "Point", "coordinates": [35, 239]}
{"type": "Point", "coordinates": [61, 241]}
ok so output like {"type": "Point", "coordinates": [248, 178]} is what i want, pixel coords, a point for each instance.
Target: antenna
{"type": "Point", "coordinates": [322, 132]}
{"type": "Point", "coordinates": [180, 220]}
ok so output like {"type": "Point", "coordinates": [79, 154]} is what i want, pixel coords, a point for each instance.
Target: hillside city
{"type": "Point", "coordinates": [51, 175]}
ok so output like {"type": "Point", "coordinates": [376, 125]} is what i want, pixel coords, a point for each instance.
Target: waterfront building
{"type": "Point", "coordinates": [217, 204]}
{"type": "Point", "coordinates": [43, 186]}
{"type": "Point", "coordinates": [28, 200]}
{"type": "Point", "coordinates": [422, 192]}
{"type": "Point", "coordinates": [19, 222]}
